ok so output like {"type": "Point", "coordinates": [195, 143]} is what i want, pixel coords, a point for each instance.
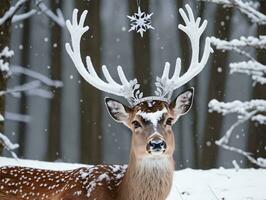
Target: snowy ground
{"type": "Point", "coordinates": [222, 184]}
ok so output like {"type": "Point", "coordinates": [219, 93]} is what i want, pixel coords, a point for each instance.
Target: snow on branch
{"type": "Point", "coordinates": [259, 43]}
{"type": "Point", "coordinates": [4, 55]}
{"type": "Point", "coordinates": [254, 110]}
{"type": "Point", "coordinates": [239, 44]}
{"type": "Point", "coordinates": [242, 109]}
{"type": "Point", "coordinates": [2, 118]}
{"type": "Point", "coordinates": [8, 145]}
{"type": "Point", "coordinates": [249, 8]}
{"type": "Point", "coordinates": [256, 70]}
{"type": "Point", "coordinates": [32, 88]}
{"type": "Point", "coordinates": [10, 14]}
{"type": "Point", "coordinates": [224, 141]}
{"type": "Point", "coordinates": [228, 3]}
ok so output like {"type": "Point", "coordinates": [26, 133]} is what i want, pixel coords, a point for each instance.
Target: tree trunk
{"type": "Point", "coordinates": [256, 133]}
{"type": "Point", "coordinates": [23, 109]}
{"type": "Point", "coordinates": [54, 133]}
{"type": "Point", "coordinates": [195, 112]}
{"type": "Point", "coordinates": [217, 82]}
{"type": "Point", "coordinates": [184, 44]}
{"type": "Point", "coordinates": [5, 31]}
{"type": "Point", "coordinates": [141, 51]}
{"type": "Point", "coordinates": [90, 97]}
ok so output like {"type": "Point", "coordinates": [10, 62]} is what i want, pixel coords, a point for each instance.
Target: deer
{"type": "Point", "coordinates": [149, 173]}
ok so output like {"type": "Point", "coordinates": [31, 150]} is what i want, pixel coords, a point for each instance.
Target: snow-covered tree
{"type": "Point", "coordinates": [36, 85]}
{"type": "Point", "coordinates": [255, 109]}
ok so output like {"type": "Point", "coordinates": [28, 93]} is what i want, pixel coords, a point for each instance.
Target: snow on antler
{"type": "Point", "coordinates": [193, 29]}
{"type": "Point", "coordinates": [127, 89]}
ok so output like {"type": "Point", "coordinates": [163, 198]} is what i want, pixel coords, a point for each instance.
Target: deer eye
{"type": "Point", "coordinates": [169, 121]}
{"type": "Point", "coordinates": [136, 124]}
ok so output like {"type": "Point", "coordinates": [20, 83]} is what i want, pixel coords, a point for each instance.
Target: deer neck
{"type": "Point", "coordinates": [147, 179]}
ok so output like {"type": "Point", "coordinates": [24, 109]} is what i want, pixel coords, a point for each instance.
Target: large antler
{"type": "Point", "coordinates": [193, 29]}
{"type": "Point", "coordinates": [127, 89]}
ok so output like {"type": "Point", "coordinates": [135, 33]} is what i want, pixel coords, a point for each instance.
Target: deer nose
{"type": "Point", "coordinates": [156, 146]}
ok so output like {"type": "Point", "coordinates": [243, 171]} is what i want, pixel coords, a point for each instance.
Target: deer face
{"type": "Point", "coordinates": [151, 123]}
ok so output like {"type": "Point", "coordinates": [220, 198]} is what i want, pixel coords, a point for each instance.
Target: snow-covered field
{"type": "Point", "coordinates": [222, 184]}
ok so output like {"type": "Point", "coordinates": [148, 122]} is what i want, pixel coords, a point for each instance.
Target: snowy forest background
{"type": "Point", "coordinates": [67, 121]}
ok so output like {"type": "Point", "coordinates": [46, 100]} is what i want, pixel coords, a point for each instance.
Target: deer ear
{"type": "Point", "coordinates": [182, 103]}
{"type": "Point", "coordinates": [117, 110]}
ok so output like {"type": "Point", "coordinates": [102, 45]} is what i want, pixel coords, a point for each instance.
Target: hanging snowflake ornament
{"type": "Point", "coordinates": [140, 22]}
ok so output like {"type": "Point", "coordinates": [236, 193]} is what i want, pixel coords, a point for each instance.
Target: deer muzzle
{"type": "Point", "coordinates": [156, 146]}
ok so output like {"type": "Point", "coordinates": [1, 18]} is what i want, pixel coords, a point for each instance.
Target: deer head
{"type": "Point", "coordinates": [151, 123]}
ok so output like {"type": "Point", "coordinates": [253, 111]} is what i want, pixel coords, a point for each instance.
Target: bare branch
{"type": "Point", "coordinates": [40, 93]}
{"type": "Point", "coordinates": [32, 89]}
{"type": "Point", "coordinates": [10, 14]}
{"type": "Point", "coordinates": [16, 70]}
{"type": "Point", "coordinates": [21, 88]}
{"type": "Point", "coordinates": [20, 17]}
{"type": "Point", "coordinates": [57, 18]}
{"type": "Point", "coordinates": [17, 117]}
{"type": "Point", "coordinates": [12, 10]}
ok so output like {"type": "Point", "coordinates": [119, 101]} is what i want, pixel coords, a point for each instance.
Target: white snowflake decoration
{"type": "Point", "coordinates": [140, 22]}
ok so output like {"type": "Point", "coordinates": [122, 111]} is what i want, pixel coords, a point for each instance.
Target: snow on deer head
{"type": "Point", "coordinates": [151, 123]}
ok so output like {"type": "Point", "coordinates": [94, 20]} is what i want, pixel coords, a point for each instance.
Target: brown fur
{"type": "Point", "coordinates": [146, 182]}
{"type": "Point", "coordinates": [17, 183]}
